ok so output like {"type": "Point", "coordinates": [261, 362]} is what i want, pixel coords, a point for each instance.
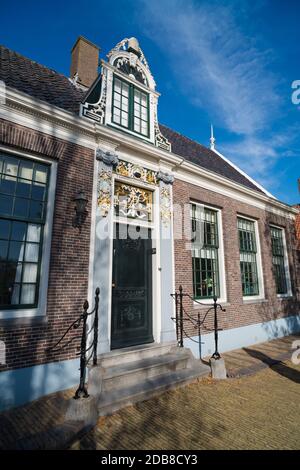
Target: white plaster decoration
{"type": "Point", "coordinates": [96, 111]}
{"type": "Point", "coordinates": [165, 206]}
{"type": "Point", "coordinates": [104, 191]}
{"type": "Point", "coordinates": [160, 141]}
{"type": "Point", "coordinates": [137, 172]}
{"type": "Point", "coordinates": [121, 50]}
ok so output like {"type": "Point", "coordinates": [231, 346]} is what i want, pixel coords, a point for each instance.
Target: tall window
{"type": "Point", "coordinates": [205, 247]}
{"type": "Point", "coordinates": [23, 198]}
{"type": "Point", "coordinates": [278, 258]}
{"type": "Point", "coordinates": [248, 256]}
{"type": "Point", "coordinates": [130, 107]}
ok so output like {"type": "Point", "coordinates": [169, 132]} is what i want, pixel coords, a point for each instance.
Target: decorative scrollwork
{"type": "Point", "coordinates": [104, 192]}
{"type": "Point", "coordinates": [96, 111]}
{"type": "Point", "coordinates": [137, 172]}
{"type": "Point", "coordinates": [165, 206]}
{"type": "Point", "coordinates": [130, 201]}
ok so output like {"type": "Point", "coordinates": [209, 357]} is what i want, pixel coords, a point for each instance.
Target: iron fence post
{"type": "Point", "coordinates": [181, 316]}
{"type": "Point", "coordinates": [216, 354]}
{"type": "Point", "coordinates": [82, 390]}
{"type": "Point", "coordinates": [176, 316]}
{"type": "Point", "coordinates": [96, 319]}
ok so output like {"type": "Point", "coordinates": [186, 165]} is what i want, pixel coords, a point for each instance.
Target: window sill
{"type": "Point", "coordinates": [254, 301]}
{"type": "Point", "coordinates": [285, 297]}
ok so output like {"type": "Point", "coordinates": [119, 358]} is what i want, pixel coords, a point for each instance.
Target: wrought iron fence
{"type": "Point", "coordinates": [85, 358]}
{"type": "Point", "coordinates": [182, 317]}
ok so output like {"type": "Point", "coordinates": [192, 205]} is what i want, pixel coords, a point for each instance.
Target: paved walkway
{"type": "Point", "coordinates": [258, 408]}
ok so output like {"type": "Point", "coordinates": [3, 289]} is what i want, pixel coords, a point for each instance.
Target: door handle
{"type": "Point", "coordinates": [113, 285]}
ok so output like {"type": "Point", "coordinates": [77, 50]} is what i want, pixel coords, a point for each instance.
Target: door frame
{"type": "Point", "coordinates": [155, 236]}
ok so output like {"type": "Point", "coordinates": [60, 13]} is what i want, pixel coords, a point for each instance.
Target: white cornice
{"type": "Point", "coordinates": [38, 115]}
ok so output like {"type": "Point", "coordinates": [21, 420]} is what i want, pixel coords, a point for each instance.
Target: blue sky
{"type": "Point", "coordinates": [228, 62]}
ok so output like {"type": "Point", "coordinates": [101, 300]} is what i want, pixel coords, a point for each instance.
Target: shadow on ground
{"type": "Point", "coordinates": [275, 365]}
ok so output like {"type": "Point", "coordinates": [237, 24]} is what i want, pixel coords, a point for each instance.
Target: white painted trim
{"type": "Point", "coordinates": [243, 173]}
{"type": "Point", "coordinates": [221, 258]}
{"type": "Point", "coordinates": [286, 265]}
{"type": "Point", "coordinates": [260, 274]}
{"type": "Point", "coordinates": [41, 309]}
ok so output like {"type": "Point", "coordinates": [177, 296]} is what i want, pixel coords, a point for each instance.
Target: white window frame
{"type": "Point", "coordinates": [286, 264]}
{"type": "Point", "coordinates": [221, 259]}
{"type": "Point", "coordinates": [41, 309]}
{"type": "Point", "coordinates": [108, 120]}
{"type": "Point", "coordinates": [260, 276]}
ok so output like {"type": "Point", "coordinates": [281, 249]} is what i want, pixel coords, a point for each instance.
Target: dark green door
{"type": "Point", "coordinates": [131, 289]}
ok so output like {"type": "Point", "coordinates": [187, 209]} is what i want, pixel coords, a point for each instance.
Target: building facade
{"type": "Point", "coordinates": [161, 211]}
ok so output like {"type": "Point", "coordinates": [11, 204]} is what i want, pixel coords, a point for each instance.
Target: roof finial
{"type": "Point", "coordinates": [212, 139]}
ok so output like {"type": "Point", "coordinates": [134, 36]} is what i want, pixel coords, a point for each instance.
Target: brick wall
{"type": "Point", "coordinates": [237, 313]}
{"type": "Point", "coordinates": [68, 279]}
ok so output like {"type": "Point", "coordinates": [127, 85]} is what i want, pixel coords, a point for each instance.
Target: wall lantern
{"type": "Point", "coordinates": [80, 209]}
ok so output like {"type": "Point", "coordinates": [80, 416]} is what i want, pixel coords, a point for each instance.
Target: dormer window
{"type": "Point", "coordinates": [130, 107]}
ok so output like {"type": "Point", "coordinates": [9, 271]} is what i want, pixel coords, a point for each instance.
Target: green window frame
{"type": "Point", "coordinates": [130, 107]}
{"type": "Point", "coordinates": [205, 248]}
{"type": "Point", "coordinates": [248, 256]}
{"type": "Point", "coordinates": [23, 202]}
{"type": "Point", "coordinates": [278, 260]}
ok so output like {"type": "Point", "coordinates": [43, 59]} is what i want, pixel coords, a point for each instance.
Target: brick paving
{"type": "Point", "coordinates": [258, 408]}
{"type": "Point", "coordinates": [260, 411]}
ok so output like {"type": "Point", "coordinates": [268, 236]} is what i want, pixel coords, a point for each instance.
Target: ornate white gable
{"type": "Point", "coordinates": [126, 61]}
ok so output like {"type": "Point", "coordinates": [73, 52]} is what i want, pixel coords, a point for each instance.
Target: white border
{"type": "Point", "coordinates": [260, 275]}
{"type": "Point", "coordinates": [221, 258]}
{"type": "Point", "coordinates": [41, 309]}
{"type": "Point", "coordinates": [286, 265]}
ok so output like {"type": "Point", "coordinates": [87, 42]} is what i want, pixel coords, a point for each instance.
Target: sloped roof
{"type": "Point", "coordinates": [45, 84]}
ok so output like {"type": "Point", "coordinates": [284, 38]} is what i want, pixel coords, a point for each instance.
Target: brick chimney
{"type": "Point", "coordinates": [84, 61]}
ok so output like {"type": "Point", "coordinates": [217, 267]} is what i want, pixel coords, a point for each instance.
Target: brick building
{"type": "Point", "coordinates": [161, 210]}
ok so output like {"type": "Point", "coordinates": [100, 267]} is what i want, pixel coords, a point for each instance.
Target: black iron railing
{"type": "Point", "coordinates": [182, 318]}
{"type": "Point", "coordinates": [87, 351]}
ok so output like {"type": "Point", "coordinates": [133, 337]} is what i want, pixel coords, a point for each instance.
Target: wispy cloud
{"type": "Point", "coordinates": [223, 69]}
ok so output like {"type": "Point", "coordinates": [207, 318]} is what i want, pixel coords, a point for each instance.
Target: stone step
{"type": "Point", "coordinates": [129, 374]}
{"type": "Point", "coordinates": [135, 353]}
{"type": "Point", "coordinates": [113, 400]}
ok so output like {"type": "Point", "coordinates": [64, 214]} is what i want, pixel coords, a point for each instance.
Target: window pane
{"type": "Point", "coordinates": [38, 191]}
{"type": "Point", "coordinates": [248, 261]}
{"type": "Point", "coordinates": [205, 252]}
{"type": "Point", "coordinates": [26, 170]}
{"type": "Point", "coordinates": [14, 292]}
{"type": "Point", "coordinates": [4, 228]}
{"type": "Point", "coordinates": [15, 252]}
{"type": "Point", "coordinates": [40, 173]}
{"type": "Point", "coordinates": [8, 185]}
{"type": "Point", "coordinates": [32, 252]}
{"type": "Point", "coordinates": [117, 85]}
{"type": "Point", "coordinates": [23, 188]}
{"type": "Point", "coordinates": [6, 204]}
{"type": "Point", "coordinates": [28, 294]}
{"type": "Point", "coordinates": [33, 233]}
{"type": "Point", "coordinates": [125, 89]}
{"type": "Point", "coordinates": [10, 166]}
{"type": "Point", "coordinates": [21, 207]}
{"type": "Point", "coordinates": [29, 272]}
{"type": "Point", "coordinates": [36, 210]}
{"type": "Point", "coordinates": [3, 249]}
{"type": "Point", "coordinates": [279, 260]}
{"type": "Point", "coordinates": [18, 231]}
